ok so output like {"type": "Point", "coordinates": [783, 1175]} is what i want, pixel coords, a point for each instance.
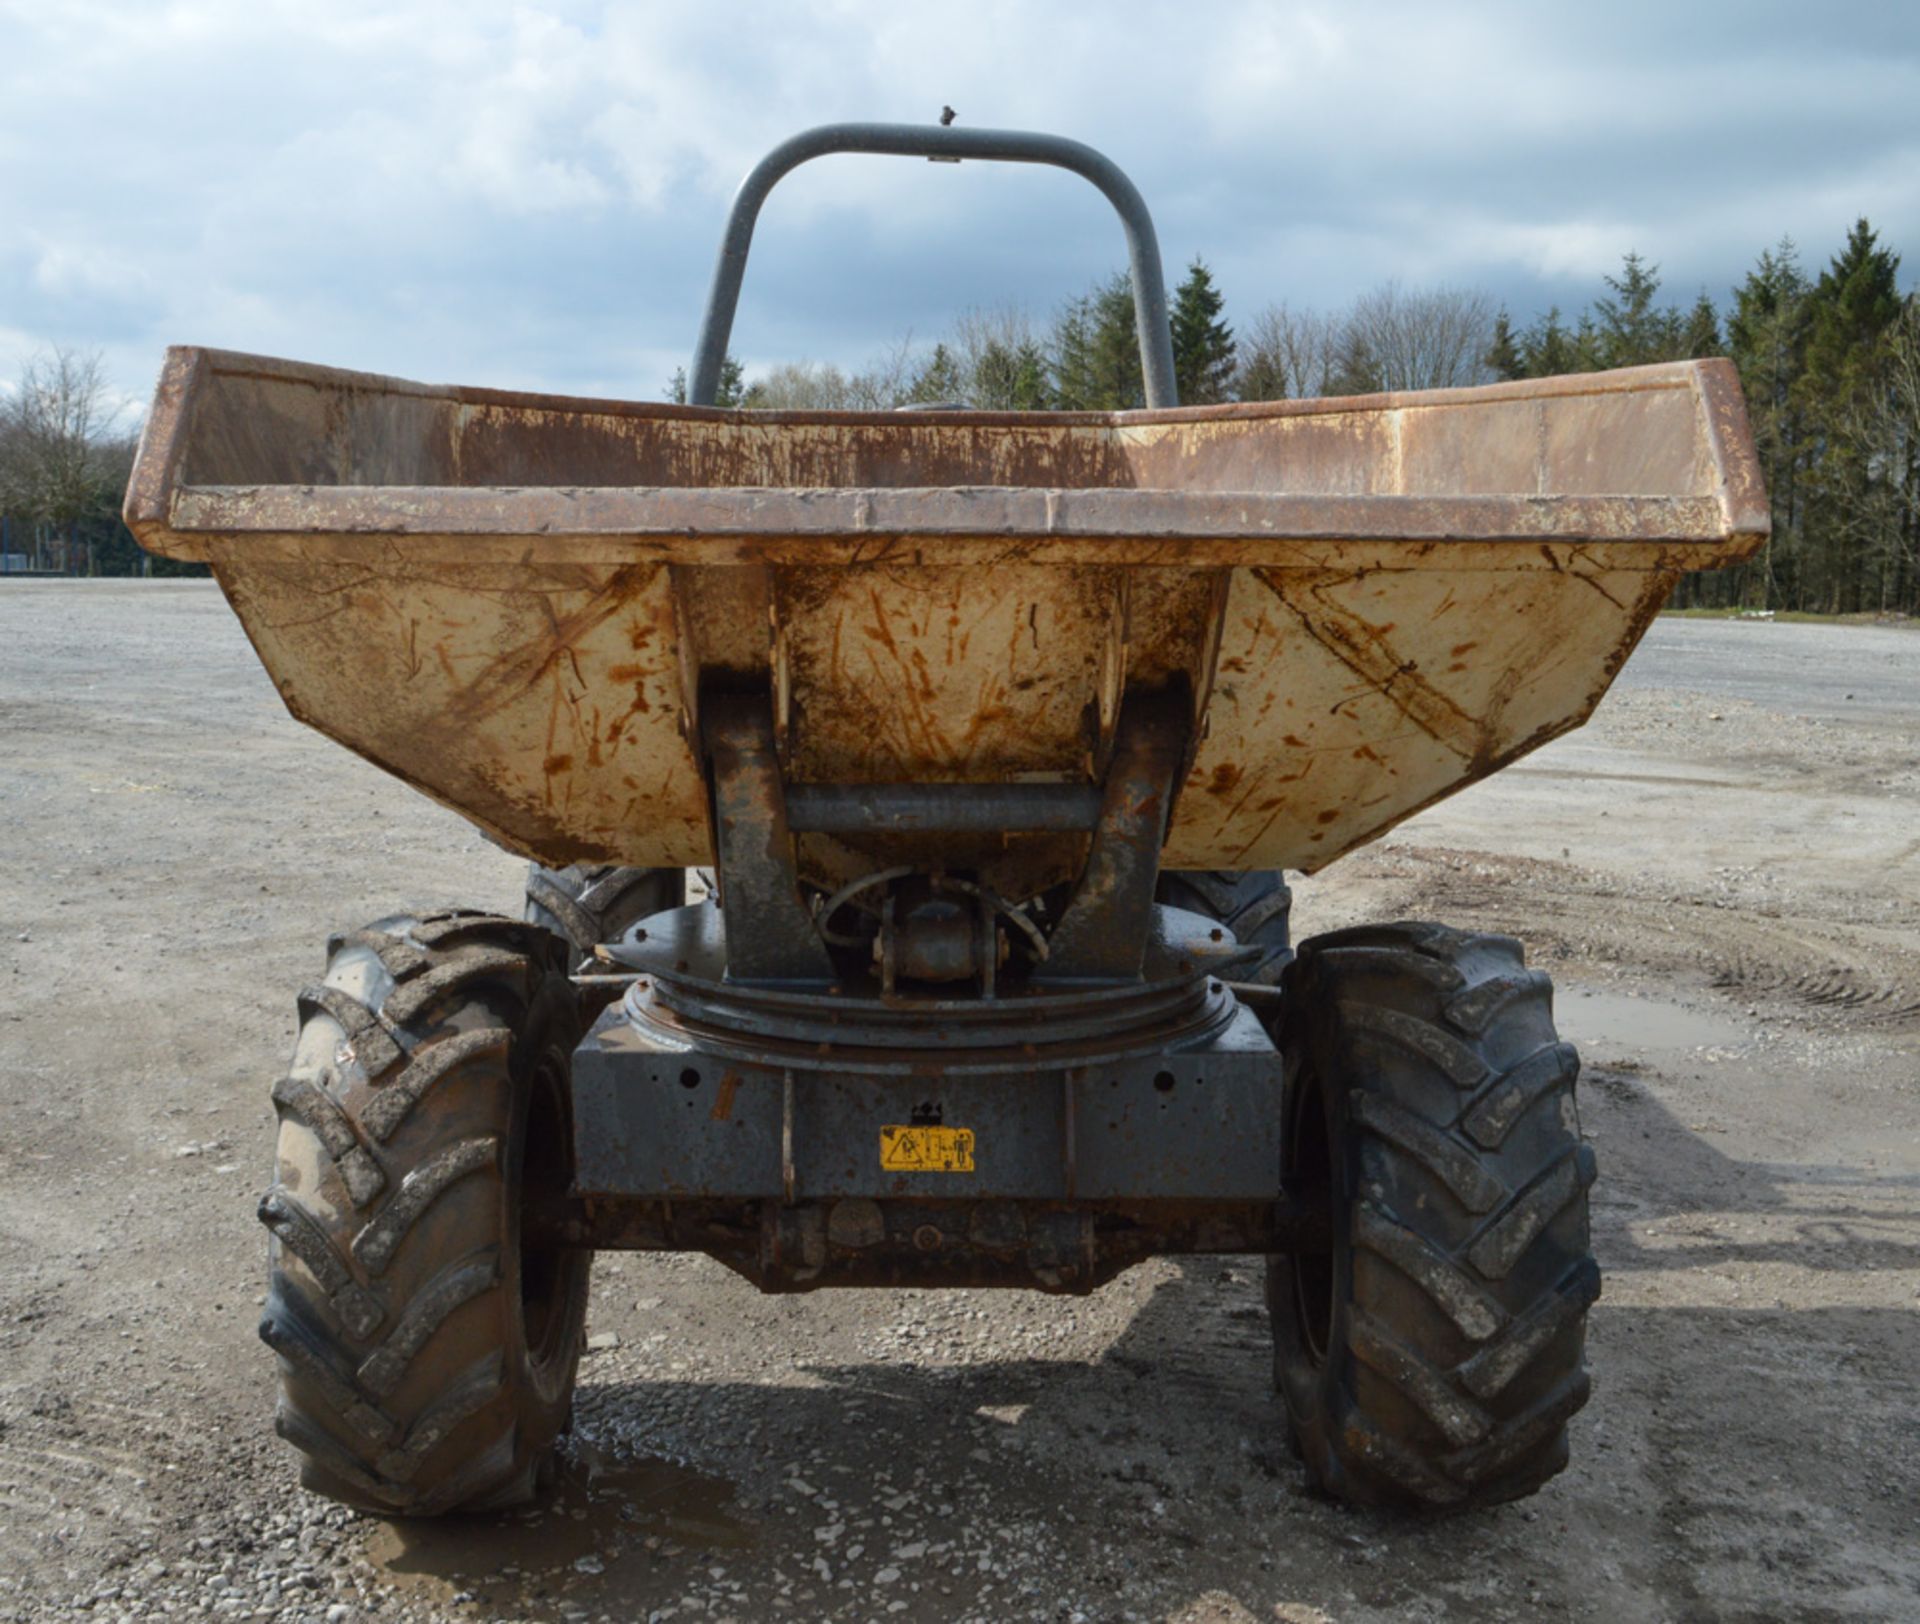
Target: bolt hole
{"type": "Point", "coordinates": [690, 1078]}
{"type": "Point", "coordinates": [1163, 1080]}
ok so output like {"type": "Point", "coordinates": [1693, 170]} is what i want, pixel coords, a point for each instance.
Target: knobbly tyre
{"type": "Point", "coordinates": [994, 731]}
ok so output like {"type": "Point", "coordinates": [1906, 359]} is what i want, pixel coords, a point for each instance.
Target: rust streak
{"type": "Point", "coordinates": [1357, 646]}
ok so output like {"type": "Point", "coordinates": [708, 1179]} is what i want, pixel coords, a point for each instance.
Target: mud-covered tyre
{"type": "Point", "coordinates": [427, 1349]}
{"type": "Point", "coordinates": [1430, 1357]}
{"type": "Point", "coordinates": [591, 903]}
{"type": "Point", "coordinates": [1256, 906]}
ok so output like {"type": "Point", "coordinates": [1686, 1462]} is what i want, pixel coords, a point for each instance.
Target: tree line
{"type": "Point", "coordinates": [1830, 362]}
{"type": "Point", "coordinates": [64, 460]}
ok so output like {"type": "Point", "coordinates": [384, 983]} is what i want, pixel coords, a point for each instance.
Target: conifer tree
{"type": "Point", "coordinates": [1356, 368]}
{"type": "Point", "coordinates": [1548, 349]}
{"type": "Point", "coordinates": [1853, 304]}
{"type": "Point", "coordinates": [1628, 330]}
{"type": "Point", "coordinates": [1069, 357]}
{"type": "Point", "coordinates": [1850, 310]}
{"type": "Point", "coordinates": [1701, 336]}
{"type": "Point", "coordinates": [1766, 336]}
{"type": "Point", "coordinates": [1263, 375]}
{"type": "Point", "coordinates": [1120, 381]}
{"type": "Point", "coordinates": [1096, 351]}
{"type": "Point", "coordinates": [1203, 349]}
{"type": "Point", "coordinates": [731, 391]}
{"type": "Point", "coordinates": [939, 381]}
{"type": "Point", "coordinates": [1503, 358]}
{"type": "Point", "coordinates": [1589, 348]}
{"type": "Point", "coordinates": [1011, 378]}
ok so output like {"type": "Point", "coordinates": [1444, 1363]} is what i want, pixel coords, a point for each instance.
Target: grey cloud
{"type": "Point", "coordinates": [531, 196]}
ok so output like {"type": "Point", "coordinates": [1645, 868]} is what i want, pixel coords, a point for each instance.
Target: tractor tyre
{"type": "Point", "coordinates": [591, 903]}
{"type": "Point", "coordinates": [1430, 1355]}
{"type": "Point", "coordinates": [1255, 906]}
{"type": "Point", "coordinates": [427, 1345]}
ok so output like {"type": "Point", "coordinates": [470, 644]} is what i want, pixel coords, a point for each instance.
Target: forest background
{"type": "Point", "coordinates": [1830, 362]}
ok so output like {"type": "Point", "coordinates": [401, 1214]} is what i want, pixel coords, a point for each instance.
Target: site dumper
{"type": "Point", "coordinates": [954, 707]}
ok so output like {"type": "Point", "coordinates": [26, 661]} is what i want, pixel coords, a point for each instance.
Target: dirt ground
{"type": "Point", "coordinates": [1722, 872]}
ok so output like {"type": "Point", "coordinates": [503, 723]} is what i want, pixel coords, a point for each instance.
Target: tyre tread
{"type": "Point", "coordinates": [310, 1104]}
{"type": "Point", "coordinates": [452, 1288]}
{"type": "Point", "coordinates": [373, 1045]}
{"type": "Point", "coordinates": [1475, 1181]}
{"type": "Point", "coordinates": [385, 1113]}
{"type": "Point", "coordinates": [351, 1328]}
{"type": "Point", "coordinates": [1509, 1232]}
{"type": "Point", "coordinates": [374, 1247]}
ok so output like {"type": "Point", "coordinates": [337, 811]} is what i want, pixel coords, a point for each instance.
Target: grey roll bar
{"type": "Point", "coordinates": [940, 142]}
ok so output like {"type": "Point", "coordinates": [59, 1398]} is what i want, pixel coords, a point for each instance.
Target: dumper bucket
{"type": "Point", "coordinates": [511, 601]}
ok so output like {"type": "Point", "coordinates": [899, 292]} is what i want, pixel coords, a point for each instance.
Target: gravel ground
{"type": "Point", "coordinates": [1721, 872]}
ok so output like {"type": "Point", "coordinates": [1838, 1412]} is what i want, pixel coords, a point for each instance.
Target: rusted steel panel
{"type": "Point", "coordinates": [511, 600]}
{"type": "Point", "coordinates": [940, 673]}
{"type": "Point", "coordinates": [1345, 701]}
{"type": "Point", "coordinates": [544, 706]}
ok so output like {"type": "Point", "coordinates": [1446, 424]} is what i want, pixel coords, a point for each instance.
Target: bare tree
{"type": "Point", "coordinates": [1287, 354]}
{"type": "Point", "coordinates": [1001, 360]}
{"type": "Point", "coordinates": [820, 386]}
{"type": "Point", "coordinates": [887, 380]}
{"type": "Point", "coordinates": [1436, 338]}
{"type": "Point", "coordinates": [799, 386]}
{"type": "Point", "coordinates": [58, 447]}
{"type": "Point", "coordinates": [15, 500]}
{"type": "Point", "coordinates": [978, 333]}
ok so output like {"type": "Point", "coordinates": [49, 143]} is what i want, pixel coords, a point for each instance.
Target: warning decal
{"type": "Point", "coordinates": [927, 1149]}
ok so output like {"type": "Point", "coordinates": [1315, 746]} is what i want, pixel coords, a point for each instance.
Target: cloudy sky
{"type": "Point", "coordinates": [530, 194]}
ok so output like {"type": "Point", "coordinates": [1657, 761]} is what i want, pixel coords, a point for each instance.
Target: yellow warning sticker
{"type": "Point", "coordinates": [926, 1150]}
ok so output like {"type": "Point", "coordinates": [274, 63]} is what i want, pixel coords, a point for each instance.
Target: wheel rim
{"type": "Point", "coordinates": [544, 1271]}
{"type": "Point", "coordinates": [1311, 1169]}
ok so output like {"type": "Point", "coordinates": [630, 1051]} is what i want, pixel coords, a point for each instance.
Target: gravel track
{"type": "Point", "coordinates": [1722, 872]}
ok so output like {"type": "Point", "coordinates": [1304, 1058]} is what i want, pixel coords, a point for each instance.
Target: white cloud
{"type": "Point", "coordinates": [67, 269]}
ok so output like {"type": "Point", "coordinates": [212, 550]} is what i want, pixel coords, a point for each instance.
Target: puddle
{"type": "Point", "coordinates": [600, 1540]}
{"type": "Point", "coordinates": [1603, 1024]}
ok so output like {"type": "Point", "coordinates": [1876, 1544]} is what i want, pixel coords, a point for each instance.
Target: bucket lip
{"type": "Point", "coordinates": [688, 517]}
{"type": "Point", "coordinates": [1620, 380]}
{"type": "Point", "coordinates": [169, 516]}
